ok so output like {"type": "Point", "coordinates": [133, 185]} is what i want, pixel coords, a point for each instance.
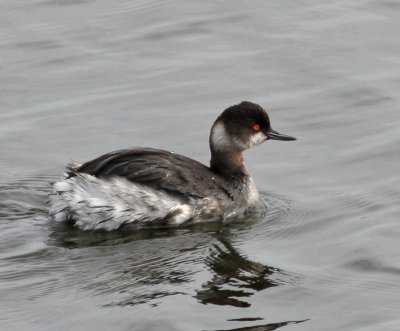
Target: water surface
{"type": "Point", "coordinates": [81, 78]}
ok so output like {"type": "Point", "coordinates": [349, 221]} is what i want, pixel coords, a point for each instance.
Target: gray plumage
{"type": "Point", "coordinates": [147, 187]}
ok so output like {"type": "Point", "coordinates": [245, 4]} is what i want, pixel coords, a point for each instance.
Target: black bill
{"type": "Point", "coordinates": [272, 134]}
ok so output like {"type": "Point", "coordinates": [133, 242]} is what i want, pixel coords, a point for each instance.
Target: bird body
{"type": "Point", "coordinates": [146, 187]}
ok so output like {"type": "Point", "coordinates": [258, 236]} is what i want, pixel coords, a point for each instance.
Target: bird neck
{"type": "Point", "coordinates": [228, 163]}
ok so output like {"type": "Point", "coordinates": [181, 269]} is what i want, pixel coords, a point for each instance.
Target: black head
{"type": "Point", "coordinates": [243, 126]}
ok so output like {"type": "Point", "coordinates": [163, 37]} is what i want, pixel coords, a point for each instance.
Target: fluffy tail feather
{"type": "Point", "coordinates": [93, 203]}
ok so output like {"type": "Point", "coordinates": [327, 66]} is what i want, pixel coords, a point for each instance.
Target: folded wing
{"type": "Point", "coordinates": [156, 168]}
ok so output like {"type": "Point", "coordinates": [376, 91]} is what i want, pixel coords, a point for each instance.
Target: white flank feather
{"type": "Point", "coordinates": [94, 203]}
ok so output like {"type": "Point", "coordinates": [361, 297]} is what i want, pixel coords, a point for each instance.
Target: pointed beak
{"type": "Point", "coordinates": [272, 134]}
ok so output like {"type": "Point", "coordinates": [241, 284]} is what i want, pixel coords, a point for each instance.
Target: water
{"type": "Point", "coordinates": [81, 78]}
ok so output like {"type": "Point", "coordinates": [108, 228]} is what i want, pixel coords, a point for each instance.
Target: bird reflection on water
{"type": "Point", "coordinates": [146, 267]}
{"type": "Point", "coordinates": [234, 276]}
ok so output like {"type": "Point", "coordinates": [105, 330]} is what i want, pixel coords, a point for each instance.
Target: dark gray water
{"type": "Point", "coordinates": [81, 78]}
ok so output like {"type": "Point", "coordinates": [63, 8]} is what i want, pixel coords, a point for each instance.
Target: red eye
{"type": "Point", "coordinates": [256, 127]}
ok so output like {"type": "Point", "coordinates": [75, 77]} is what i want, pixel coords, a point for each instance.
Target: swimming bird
{"type": "Point", "coordinates": [146, 187]}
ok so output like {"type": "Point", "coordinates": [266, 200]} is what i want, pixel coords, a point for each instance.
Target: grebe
{"type": "Point", "coordinates": [146, 187]}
